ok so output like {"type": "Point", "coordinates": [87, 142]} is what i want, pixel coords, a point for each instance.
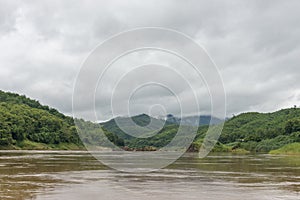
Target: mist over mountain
{"type": "Point", "coordinates": [27, 124]}
{"type": "Point", "coordinates": [194, 120]}
{"type": "Point", "coordinates": [149, 124]}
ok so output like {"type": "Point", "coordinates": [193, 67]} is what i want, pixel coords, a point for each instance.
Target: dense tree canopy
{"type": "Point", "coordinates": [20, 122]}
{"type": "Point", "coordinates": [23, 119]}
{"type": "Point", "coordinates": [258, 132]}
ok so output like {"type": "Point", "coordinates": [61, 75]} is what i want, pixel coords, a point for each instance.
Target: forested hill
{"type": "Point", "coordinates": [25, 123]}
{"type": "Point", "coordinates": [262, 132]}
{"type": "Point", "coordinates": [255, 132]}
{"type": "Point", "coordinates": [14, 98]}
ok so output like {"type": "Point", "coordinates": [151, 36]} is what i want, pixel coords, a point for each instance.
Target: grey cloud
{"type": "Point", "coordinates": [254, 43]}
{"type": "Point", "coordinates": [8, 16]}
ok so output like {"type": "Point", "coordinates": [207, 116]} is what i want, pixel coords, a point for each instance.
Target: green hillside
{"type": "Point", "coordinates": [289, 149]}
{"type": "Point", "coordinates": [141, 122]}
{"type": "Point", "coordinates": [26, 124]}
{"type": "Point", "coordinates": [13, 98]}
{"type": "Point", "coordinates": [262, 132]}
{"type": "Point", "coordinates": [252, 132]}
{"type": "Point", "coordinates": [194, 120]}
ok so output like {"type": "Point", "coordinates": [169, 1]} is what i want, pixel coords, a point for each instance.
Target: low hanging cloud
{"type": "Point", "coordinates": [255, 44]}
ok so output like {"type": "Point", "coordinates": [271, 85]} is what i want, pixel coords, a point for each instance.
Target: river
{"type": "Point", "coordinates": [77, 175]}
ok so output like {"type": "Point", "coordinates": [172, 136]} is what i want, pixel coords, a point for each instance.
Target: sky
{"type": "Point", "coordinates": [255, 45]}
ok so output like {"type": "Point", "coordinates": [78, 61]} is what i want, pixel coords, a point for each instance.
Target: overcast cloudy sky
{"type": "Point", "coordinates": [255, 44]}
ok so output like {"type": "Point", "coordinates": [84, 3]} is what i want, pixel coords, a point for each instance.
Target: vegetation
{"type": "Point", "coordinates": [26, 124]}
{"type": "Point", "coordinates": [21, 122]}
{"type": "Point", "coordinates": [95, 136]}
{"type": "Point", "coordinates": [247, 132]}
{"type": "Point", "coordinates": [263, 132]}
{"type": "Point", "coordinates": [289, 149]}
{"type": "Point", "coordinates": [194, 120]}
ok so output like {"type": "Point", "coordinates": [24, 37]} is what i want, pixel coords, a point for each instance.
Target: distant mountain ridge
{"type": "Point", "coordinates": [194, 120]}
{"type": "Point", "coordinates": [253, 131]}
{"type": "Point", "coordinates": [143, 120]}
{"type": "Point", "coordinates": [26, 124]}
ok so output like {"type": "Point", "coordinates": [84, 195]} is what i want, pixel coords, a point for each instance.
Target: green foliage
{"type": "Point", "coordinates": [289, 149]}
{"type": "Point", "coordinates": [275, 143]}
{"type": "Point", "coordinates": [94, 135]}
{"type": "Point", "coordinates": [255, 132]}
{"type": "Point", "coordinates": [23, 119]}
{"type": "Point", "coordinates": [25, 123]}
{"type": "Point", "coordinates": [141, 121]}
{"type": "Point", "coordinates": [161, 139]}
{"type": "Point", "coordinates": [292, 125]}
{"type": "Point", "coordinates": [259, 132]}
{"type": "Point", "coordinates": [23, 100]}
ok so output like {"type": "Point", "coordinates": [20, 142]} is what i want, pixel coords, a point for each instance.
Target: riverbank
{"type": "Point", "coordinates": [29, 145]}
{"type": "Point", "coordinates": [290, 149]}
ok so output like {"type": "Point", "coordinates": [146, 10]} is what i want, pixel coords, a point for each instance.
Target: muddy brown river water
{"type": "Point", "coordinates": [77, 175]}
